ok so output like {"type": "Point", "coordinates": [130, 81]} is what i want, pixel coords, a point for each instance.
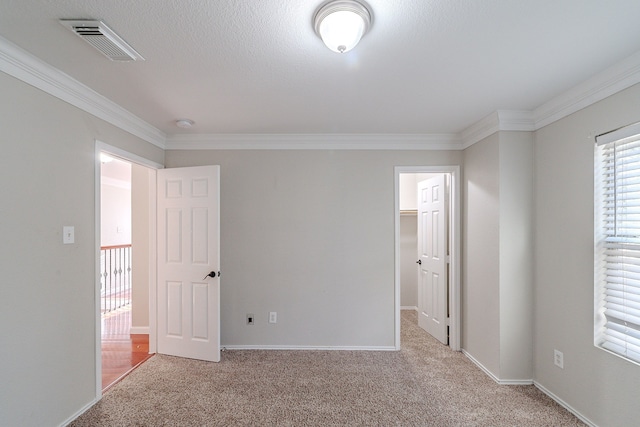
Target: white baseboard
{"type": "Point", "coordinates": [565, 405]}
{"type": "Point", "coordinates": [143, 330]}
{"type": "Point", "coordinates": [308, 348]}
{"type": "Point", "coordinates": [80, 412]}
{"type": "Point", "coordinates": [409, 307]}
{"type": "Point", "coordinates": [493, 377]}
{"type": "Point", "coordinates": [530, 382]}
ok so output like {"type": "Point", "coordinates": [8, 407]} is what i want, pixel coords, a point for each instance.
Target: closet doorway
{"type": "Point", "coordinates": [428, 249]}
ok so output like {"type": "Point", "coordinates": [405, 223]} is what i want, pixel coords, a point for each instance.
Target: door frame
{"type": "Point", "coordinates": [454, 248]}
{"type": "Point", "coordinates": [102, 147]}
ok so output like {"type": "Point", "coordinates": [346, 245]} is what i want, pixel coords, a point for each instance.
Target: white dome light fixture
{"type": "Point", "coordinates": [185, 123]}
{"type": "Point", "coordinates": [341, 24]}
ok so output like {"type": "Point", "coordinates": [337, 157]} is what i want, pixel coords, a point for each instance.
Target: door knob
{"type": "Point", "coordinates": [211, 274]}
{"type": "Point", "coordinates": [419, 262]}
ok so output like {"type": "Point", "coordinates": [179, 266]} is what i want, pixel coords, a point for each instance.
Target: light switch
{"type": "Point", "coordinates": [68, 234]}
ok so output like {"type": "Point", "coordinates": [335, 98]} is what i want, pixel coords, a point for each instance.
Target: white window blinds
{"type": "Point", "coordinates": [617, 249]}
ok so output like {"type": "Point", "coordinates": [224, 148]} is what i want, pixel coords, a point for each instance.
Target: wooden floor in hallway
{"type": "Point", "coordinates": [122, 352]}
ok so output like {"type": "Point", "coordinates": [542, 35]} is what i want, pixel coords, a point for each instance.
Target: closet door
{"type": "Point", "coordinates": [433, 258]}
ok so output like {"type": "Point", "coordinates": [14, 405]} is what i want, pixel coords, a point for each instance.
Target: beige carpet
{"type": "Point", "coordinates": [425, 384]}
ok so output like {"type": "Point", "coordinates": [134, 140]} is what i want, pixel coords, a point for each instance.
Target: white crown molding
{"type": "Point", "coordinates": [20, 64]}
{"type": "Point", "coordinates": [480, 130]}
{"type": "Point", "coordinates": [313, 142]}
{"type": "Point", "coordinates": [516, 120]}
{"type": "Point", "coordinates": [501, 120]}
{"type": "Point", "coordinates": [614, 79]}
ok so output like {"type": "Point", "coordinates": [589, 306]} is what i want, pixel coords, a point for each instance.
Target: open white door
{"type": "Point", "coordinates": [188, 291]}
{"type": "Point", "coordinates": [432, 257]}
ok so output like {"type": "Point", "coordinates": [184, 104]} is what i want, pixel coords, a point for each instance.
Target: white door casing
{"type": "Point", "coordinates": [188, 299]}
{"type": "Point", "coordinates": [432, 257]}
{"type": "Point", "coordinates": [101, 147]}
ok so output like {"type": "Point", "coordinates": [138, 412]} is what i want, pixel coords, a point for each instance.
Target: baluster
{"type": "Point", "coordinates": [128, 275]}
{"type": "Point", "coordinates": [111, 302]}
{"type": "Point", "coordinates": [115, 272]}
{"type": "Point", "coordinates": [120, 276]}
{"type": "Point", "coordinates": [108, 291]}
{"type": "Point", "coordinates": [115, 277]}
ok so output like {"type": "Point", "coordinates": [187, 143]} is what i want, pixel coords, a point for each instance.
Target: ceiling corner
{"type": "Point", "coordinates": [20, 64]}
{"type": "Point", "coordinates": [618, 77]}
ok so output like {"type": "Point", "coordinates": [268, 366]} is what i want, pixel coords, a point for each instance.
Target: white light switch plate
{"type": "Point", "coordinates": [68, 234]}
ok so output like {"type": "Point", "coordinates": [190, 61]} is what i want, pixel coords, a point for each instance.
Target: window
{"type": "Point", "coordinates": [617, 242]}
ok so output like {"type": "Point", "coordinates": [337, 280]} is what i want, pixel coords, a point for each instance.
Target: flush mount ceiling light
{"type": "Point", "coordinates": [341, 24]}
{"type": "Point", "coordinates": [185, 123]}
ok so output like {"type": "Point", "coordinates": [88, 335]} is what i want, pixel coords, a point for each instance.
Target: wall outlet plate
{"type": "Point", "coordinates": [558, 359]}
{"type": "Point", "coordinates": [273, 317]}
{"type": "Point", "coordinates": [250, 319]}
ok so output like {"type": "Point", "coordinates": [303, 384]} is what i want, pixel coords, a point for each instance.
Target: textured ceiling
{"type": "Point", "coordinates": [426, 67]}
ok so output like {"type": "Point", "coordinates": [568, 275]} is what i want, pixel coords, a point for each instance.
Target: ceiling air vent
{"type": "Point", "coordinates": [98, 35]}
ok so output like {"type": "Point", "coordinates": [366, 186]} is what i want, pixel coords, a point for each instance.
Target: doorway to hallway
{"type": "Point", "coordinates": [122, 351]}
{"type": "Point", "coordinates": [115, 269]}
{"type": "Point", "coordinates": [124, 269]}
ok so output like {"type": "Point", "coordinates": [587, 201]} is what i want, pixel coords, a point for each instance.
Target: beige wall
{"type": "Point", "coordinates": [481, 254]}
{"type": "Point", "coordinates": [47, 297]}
{"type": "Point", "coordinates": [308, 234]}
{"type": "Point", "coordinates": [516, 256]}
{"type": "Point", "coordinates": [599, 385]}
{"type": "Point", "coordinates": [497, 294]}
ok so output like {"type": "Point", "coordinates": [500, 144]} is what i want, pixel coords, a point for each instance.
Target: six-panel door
{"type": "Point", "coordinates": [188, 321]}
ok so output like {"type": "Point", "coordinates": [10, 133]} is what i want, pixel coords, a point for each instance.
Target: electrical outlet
{"type": "Point", "coordinates": [558, 359]}
{"type": "Point", "coordinates": [250, 319]}
{"type": "Point", "coordinates": [273, 317]}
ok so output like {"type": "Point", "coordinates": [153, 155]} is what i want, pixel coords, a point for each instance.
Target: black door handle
{"type": "Point", "coordinates": [419, 262]}
{"type": "Point", "coordinates": [211, 274]}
